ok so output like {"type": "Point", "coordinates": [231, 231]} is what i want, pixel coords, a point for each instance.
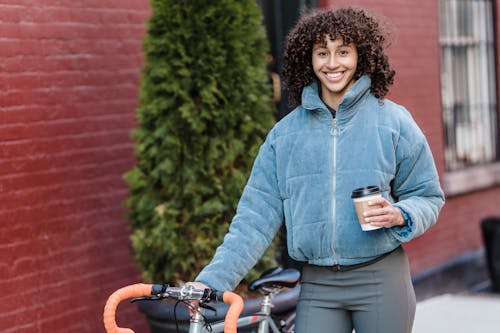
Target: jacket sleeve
{"type": "Point", "coordinates": [415, 188]}
{"type": "Point", "coordinates": [257, 220]}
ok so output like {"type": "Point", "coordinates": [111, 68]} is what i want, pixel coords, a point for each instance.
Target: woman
{"type": "Point", "coordinates": [342, 135]}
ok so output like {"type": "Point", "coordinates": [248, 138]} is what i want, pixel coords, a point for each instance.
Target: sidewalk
{"type": "Point", "coordinates": [458, 313]}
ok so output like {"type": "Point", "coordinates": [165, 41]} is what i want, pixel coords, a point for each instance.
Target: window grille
{"type": "Point", "coordinates": [468, 82]}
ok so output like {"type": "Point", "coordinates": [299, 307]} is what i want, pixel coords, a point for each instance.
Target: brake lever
{"type": "Point", "coordinates": [208, 307]}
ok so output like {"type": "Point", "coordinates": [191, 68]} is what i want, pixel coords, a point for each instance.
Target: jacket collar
{"type": "Point", "coordinates": [312, 101]}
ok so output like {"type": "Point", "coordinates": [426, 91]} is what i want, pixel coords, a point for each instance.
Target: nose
{"type": "Point", "coordinates": [331, 61]}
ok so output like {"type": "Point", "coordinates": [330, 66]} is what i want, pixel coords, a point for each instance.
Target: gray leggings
{"type": "Point", "coordinates": [378, 298]}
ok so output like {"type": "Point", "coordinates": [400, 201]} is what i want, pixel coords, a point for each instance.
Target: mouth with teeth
{"type": "Point", "coordinates": [334, 76]}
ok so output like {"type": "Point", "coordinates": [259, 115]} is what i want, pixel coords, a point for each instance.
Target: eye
{"type": "Point", "coordinates": [343, 53]}
{"type": "Point", "coordinates": [321, 53]}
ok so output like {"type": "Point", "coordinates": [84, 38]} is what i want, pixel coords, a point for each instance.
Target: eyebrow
{"type": "Point", "coordinates": [323, 46]}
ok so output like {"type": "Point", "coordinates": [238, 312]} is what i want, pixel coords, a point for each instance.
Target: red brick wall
{"type": "Point", "coordinates": [69, 73]}
{"type": "Point", "coordinates": [415, 55]}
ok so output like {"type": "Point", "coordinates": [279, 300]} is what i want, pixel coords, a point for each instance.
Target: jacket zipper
{"type": "Point", "coordinates": [334, 187]}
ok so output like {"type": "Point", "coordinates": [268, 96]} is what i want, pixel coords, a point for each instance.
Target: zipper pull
{"type": "Point", "coordinates": [335, 132]}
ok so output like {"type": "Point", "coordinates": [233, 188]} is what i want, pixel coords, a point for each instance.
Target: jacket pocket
{"type": "Point", "coordinates": [310, 241]}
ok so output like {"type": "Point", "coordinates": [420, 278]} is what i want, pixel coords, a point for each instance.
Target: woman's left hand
{"type": "Point", "coordinates": [387, 216]}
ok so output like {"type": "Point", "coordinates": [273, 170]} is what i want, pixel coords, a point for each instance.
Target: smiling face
{"type": "Point", "coordinates": [334, 64]}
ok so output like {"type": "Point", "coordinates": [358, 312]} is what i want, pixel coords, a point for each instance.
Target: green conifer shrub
{"type": "Point", "coordinates": [204, 110]}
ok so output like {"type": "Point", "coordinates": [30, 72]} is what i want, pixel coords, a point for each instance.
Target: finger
{"type": "Point", "coordinates": [379, 218]}
{"type": "Point", "coordinates": [375, 212]}
{"type": "Point", "coordinates": [382, 220]}
{"type": "Point", "coordinates": [378, 201]}
{"type": "Point", "coordinates": [381, 224]}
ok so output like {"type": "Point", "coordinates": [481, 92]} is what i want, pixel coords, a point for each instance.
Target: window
{"type": "Point", "coordinates": [468, 83]}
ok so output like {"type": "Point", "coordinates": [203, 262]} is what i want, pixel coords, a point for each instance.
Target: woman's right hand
{"type": "Point", "coordinates": [196, 285]}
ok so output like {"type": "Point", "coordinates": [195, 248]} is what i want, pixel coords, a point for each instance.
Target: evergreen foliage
{"type": "Point", "coordinates": [204, 111]}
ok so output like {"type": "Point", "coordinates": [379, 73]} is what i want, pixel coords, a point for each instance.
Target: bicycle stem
{"type": "Point", "coordinates": [197, 321]}
{"type": "Point", "coordinates": [265, 311]}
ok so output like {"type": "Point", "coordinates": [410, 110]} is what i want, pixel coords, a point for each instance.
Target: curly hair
{"type": "Point", "coordinates": [352, 25]}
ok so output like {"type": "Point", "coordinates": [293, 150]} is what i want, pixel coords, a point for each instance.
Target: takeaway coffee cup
{"type": "Point", "coordinates": [361, 196]}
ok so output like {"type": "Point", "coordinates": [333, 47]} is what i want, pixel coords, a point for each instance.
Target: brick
{"type": "Point", "coordinates": [68, 31]}
{"type": "Point", "coordinates": [68, 127]}
{"type": "Point", "coordinates": [34, 80]}
{"type": "Point", "coordinates": [55, 96]}
{"type": "Point", "coordinates": [28, 113]}
{"type": "Point", "coordinates": [63, 207]}
{"type": "Point", "coordinates": [118, 154]}
{"type": "Point", "coordinates": [79, 62]}
{"type": "Point", "coordinates": [99, 4]}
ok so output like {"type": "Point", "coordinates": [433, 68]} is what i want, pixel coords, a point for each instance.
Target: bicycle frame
{"type": "Point", "coordinates": [263, 318]}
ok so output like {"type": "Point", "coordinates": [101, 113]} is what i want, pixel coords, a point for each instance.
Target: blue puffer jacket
{"type": "Point", "coordinates": [304, 175]}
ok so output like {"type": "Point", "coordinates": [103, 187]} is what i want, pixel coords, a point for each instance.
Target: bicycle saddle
{"type": "Point", "coordinates": [277, 277]}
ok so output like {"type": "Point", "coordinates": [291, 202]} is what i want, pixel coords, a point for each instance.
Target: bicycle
{"type": "Point", "coordinates": [269, 285]}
